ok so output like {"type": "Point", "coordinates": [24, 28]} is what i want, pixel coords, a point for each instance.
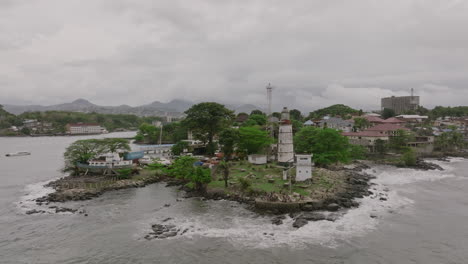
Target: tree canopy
{"type": "Point", "coordinates": [295, 115]}
{"type": "Point", "coordinates": [206, 120]}
{"type": "Point", "coordinates": [228, 140]}
{"type": "Point", "coordinates": [327, 145]}
{"type": "Point", "coordinates": [387, 113]}
{"type": "Point", "coordinates": [83, 150]}
{"type": "Point", "coordinates": [334, 110]}
{"type": "Point", "coordinates": [171, 133]}
{"type": "Point", "coordinates": [253, 140]}
{"type": "Point", "coordinates": [449, 141]}
{"type": "Point", "coordinates": [400, 140]}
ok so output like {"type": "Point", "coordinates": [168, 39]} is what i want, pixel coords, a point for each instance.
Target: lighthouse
{"type": "Point", "coordinates": [285, 138]}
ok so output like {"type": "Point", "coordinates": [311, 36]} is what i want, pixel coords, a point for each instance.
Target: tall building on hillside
{"type": "Point", "coordinates": [401, 104]}
{"type": "Point", "coordinates": [285, 138]}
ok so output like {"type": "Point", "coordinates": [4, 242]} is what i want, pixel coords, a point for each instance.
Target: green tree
{"type": "Point", "coordinates": [276, 114]}
{"type": "Point", "coordinates": [253, 140]}
{"type": "Point", "coordinates": [295, 115]}
{"type": "Point", "coordinates": [449, 141]}
{"type": "Point", "coordinates": [228, 139]}
{"type": "Point", "coordinates": [296, 125]}
{"type": "Point", "coordinates": [327, 145]}
{"type": "Point", "coordinates": [400, 140]}
{"type": "Point", "coordinates": [409, 157]}
{"type": "Point", "coordinates": [380, 146]}
{"type": "Point", "coordinates": [224, 166]}
{"type": "Point", "coordinates": [200, 178]}
{"type": "Point", "coordinates": [334, 110]}
{"type": "Point", "coordinates": [83, 150]}
{"type": "Point", "coordinates": [208, 119]}
{"type": "Point", "coordinates": [179, 147]}
{"type": "Point", "coordinates": [147, 133]}
{"type": "Point", "coordinates": [26, 131]}
{"type": "Point", "coordinates": [256, 112]}
{"type": "Point", "coordinates": [259, 120]}
{"type": "Point", "coordinates": [182, 168]}
{"type": "Point", "coordinates": [387, 113]}
{"type": "Point", "coordinates": [357, 152]}
{"type": "Point", "coordinates": [116, 144]}
{"type": "Point", "coordinates": [361, 123]}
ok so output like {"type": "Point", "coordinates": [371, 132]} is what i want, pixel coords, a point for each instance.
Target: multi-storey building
{"type": "Point", "coordinates": [84, 128]}
{"type": "Point", "coordinates": [400, 104]}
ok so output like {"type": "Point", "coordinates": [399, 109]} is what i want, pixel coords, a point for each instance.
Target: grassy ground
{"type": "Point", "coordinates": [268, 178]}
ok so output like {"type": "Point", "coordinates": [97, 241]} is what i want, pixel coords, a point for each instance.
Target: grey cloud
{"type": "Point", "coordinates": [316, 53]}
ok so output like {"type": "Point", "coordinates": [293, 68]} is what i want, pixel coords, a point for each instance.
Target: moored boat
{"type": "Point", "coordinates": [19, 153]}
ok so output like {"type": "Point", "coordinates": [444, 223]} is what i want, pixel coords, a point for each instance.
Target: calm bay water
{"type": "Point", "coordinates": [424, 220]}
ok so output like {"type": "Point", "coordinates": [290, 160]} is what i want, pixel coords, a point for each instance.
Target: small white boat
{"type": "Point", "coordinates": [19, 153]}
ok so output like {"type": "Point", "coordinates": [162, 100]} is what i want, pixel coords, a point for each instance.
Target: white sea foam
{"type": "Point", "coordinates": [32, 192]}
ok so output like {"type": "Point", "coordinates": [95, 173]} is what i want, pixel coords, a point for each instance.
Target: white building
{"type": "Point", "coordinates": [257, 159]}
{"type": "Point", "coordinates": [85, 128]}
{"type": "Point", "coordinates": [285, 138]}
{"type": "Point", "coordinates": [303, 167]}
{"type": "Point", "coordinates": [157, 151]}
{"type": "Point", "coordinates": [110, 160]}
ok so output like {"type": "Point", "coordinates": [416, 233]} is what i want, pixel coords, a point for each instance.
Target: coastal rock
{"type": "Point", "coordinates": [333, 207]}
{"type": "Point", "coordinates": [300, 222]}
{"type": "Point", "coordinates": [278, 220]}
{"type": "Point", "coordinates": [34, 211]}
{"type": "Point", "coordinates": [163, 231]}
{"type": "Point", "coordinates": [313, 216]}
{"type": "Point", "coordinates": [65, 210]}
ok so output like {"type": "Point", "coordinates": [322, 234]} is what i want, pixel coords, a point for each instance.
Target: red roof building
{"type": "Point", "coordinates": [374, 119]}
{"type": "Point", "coordinates": [393, 120]}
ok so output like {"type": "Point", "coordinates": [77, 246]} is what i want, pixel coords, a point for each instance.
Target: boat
{"type": "Point", "coordinates": [19, 153]}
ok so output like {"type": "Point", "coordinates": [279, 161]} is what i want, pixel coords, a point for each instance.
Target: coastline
{"type": "Point", "coordinates": [358, 185]}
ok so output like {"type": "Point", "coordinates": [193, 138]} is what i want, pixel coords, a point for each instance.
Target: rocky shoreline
{"type": "Point", "coordinates": [67, 188]}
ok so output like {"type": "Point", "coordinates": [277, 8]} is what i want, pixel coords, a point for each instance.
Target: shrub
{"type": "Point", "coordinates": [244, 183]}
{"type": "Point", "coordinates": [409, 158]}
{"type": "Point", "coordinates": [124, 173]}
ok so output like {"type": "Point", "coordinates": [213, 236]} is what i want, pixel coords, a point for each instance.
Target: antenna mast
{"type": "Point", "coordinates": [269, 97]}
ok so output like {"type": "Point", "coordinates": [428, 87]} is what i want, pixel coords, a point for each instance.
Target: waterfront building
{"type": "Point", "coordinates": [109, 160]}
{"type": "Point", "coordinates": [285, 138]}
{"type": "Point", "coordinates": [303, 167]}
{"type": "Point", "coordinates": [84, 128]}
{"type": "Point", "coordinates": [368, 137]}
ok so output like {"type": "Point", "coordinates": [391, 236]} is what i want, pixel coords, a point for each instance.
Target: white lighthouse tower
{"type": "Point", "coordinates": [285, 138]}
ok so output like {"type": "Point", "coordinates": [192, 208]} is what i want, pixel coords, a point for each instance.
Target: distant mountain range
{"type": "Point", "coordinates": [173, 108]}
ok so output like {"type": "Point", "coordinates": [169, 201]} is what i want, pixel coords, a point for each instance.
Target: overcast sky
{"type": "Point", "coordinates": [315, 53]}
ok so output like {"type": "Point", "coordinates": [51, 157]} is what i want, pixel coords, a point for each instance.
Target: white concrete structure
{"type": "Point", "coordinates": [110, 160]}
{"type": "Point", "coordinates": [84, 128]}
{"type": "Point", "coordinates": [157, 151]}
{"type": "Point", "coordinates": [285, 138]}
{"type": "Point", "coordinates": [303, 167]}
{"type": "Point", "coordinates": [258, 159]}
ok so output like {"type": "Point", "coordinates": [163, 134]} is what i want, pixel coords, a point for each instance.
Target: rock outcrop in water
{"type": "Point", "coordinates": [71, 188]}
{"type": "Point", "coordinates": [160, 231]}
